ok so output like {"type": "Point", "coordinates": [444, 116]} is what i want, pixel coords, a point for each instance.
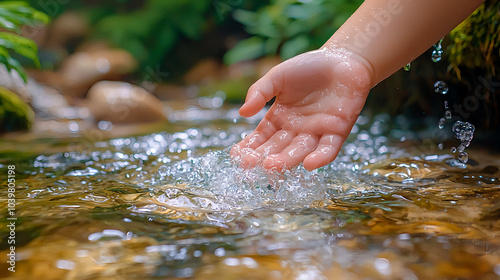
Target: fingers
{"type": "Point", "coordinates": [246, 147]}
{"type": "Point", "coordinates": [261, 92]}
{"type": "Point", "coordinates": [259, 136]}
{"type": "Point", "coordinates": [276, 144]}
{"type": "Point", "coordinates": [283, 151]}
{"type": "Point", "coordinates": [292, 155]}
{"type": "Point", "coordinates": [327, 150]}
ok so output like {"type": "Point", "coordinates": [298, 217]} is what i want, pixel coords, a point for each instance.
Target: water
{"type": "Point", "coordinates": [441, 123]}
{"type": "Point", "coordinates": [436, 55]}
{"type": "Point", "coordinates": [173, 205]}
{"type": "Point", "coordinates": [448, 115]}
{"type": "Point", "coordinates": [441, 87]}
{"type": "Point", "coordinates": [464, 132]}
{"type": "Point", "coordinates": [437, 51]}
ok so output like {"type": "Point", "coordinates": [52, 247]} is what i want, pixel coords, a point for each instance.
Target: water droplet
{"type": "Point", "coordinates": [446, 105]}
{"type": "Point", "coordinates": [447, 114]}
{"type": "Point", "coordinates": [441, 123]}
{"type": "Point", "coordinates": [463, 157]}
{"type": "Point", "coordinates": [105, 125]}
{"type": "Point", "coordinates": [464, 132]}
{"type": "Point", "coordinates": [197, 253]}
{"type": "Point", "coordinates": [65, 264]}
{"type": "Point", "coordinates": [436, 55]}
{"type": "Point", "coordinates": [407, 67]}
{"type": "Point", "coordinates": [437, 46]}
{"type": "Point", "coordinates": [383, 266]}
{"type": "Point", "coordinates": [163, 171]}
{"type": "Point", "coordinates": [453, 150]}
{"type": "Point", "coordinates": [440, 87]}
{"type": "Point", "coordinates": [440, 146]}
{"type": "Point", "coordinates": [461, 147]}
{"type": "Point", "coordinates": [220, 252]}
{"type": "Point", "coordinates": [73, 127]}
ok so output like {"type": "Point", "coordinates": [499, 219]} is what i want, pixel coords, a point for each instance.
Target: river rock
{"type": "Point", "coordinates": [82, 69]}
{"type": "Point", "coordinates": [68, 28]}
{"type": "Point", "coordinates": [46, 101]}
{"type": "Point", "coordinates": [203, 72]}
{"type": "Point", "coordinates": [120, 102]}
{"type": "Point", "coordinates": [167, 91]}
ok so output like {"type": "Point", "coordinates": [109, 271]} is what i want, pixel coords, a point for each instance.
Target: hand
{"type": "Point", "coordinates": [319, 95]}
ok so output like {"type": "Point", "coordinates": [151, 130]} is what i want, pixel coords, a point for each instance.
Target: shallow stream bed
{"type": "Point", "coordinates": [172, 205]}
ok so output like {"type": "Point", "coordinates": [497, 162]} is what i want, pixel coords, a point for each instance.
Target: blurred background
{"type": "Point", "coordinates": [112, 62]}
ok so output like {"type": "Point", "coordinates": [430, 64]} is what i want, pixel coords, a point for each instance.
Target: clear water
{"type": "Point", "coordinates": [172, 205]}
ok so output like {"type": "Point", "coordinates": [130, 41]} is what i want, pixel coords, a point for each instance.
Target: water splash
{"type": "Point", "coordinates": [162, 205]}
{"type": "Point", "coordinates": [464, 131]}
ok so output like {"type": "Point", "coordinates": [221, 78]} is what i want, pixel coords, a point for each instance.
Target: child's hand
{"type": "Point", "coordinates": [319, 96]}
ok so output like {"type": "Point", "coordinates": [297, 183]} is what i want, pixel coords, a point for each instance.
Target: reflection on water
{"type": "Point", "coordinates": [172, 205]}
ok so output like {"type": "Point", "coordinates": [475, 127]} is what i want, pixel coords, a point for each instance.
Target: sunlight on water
{"type": "Point", "coordinates": [173, 204]}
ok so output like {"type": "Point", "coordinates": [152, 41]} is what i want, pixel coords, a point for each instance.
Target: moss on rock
{"type": "Point", "coordinates": [475, 42]}
{"type": "Point", "coordinates": [15, 114]}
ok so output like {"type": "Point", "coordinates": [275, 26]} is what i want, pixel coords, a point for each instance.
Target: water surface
{"type": "Point", "coordinates": [172, 205]}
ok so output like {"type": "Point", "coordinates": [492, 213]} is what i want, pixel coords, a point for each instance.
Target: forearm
{"type": "Point", "coordinates": [390, 33]}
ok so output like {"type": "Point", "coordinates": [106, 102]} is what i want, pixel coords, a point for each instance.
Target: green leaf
{"type": "Point", "coordinates": [16, 66]}
{"type": "Point", "coordinates": [15, 14]}
{"type": "Point", "coordinates": [8, 25]}
{"type": "Point", "coordinates": [250, 48]}
{"type": "Point", "coordinates": [189, 24]}
{"type": "Point", "coordinates": [12, 64]}
{"type": "Point", "coordinates": [245, 17]}
{"type": "Point", "coordinates": [294, 47]}
{"type": "Point", "coordinates": [23, 46]}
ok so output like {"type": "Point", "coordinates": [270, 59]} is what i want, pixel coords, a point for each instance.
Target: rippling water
{"type": "Point", "coordinates": [172, 205]}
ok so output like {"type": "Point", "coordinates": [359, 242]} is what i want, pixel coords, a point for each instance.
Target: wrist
{"type": "Point", "coordinates": [353, 65]}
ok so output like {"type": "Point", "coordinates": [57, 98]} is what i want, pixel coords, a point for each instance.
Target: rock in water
{"type": "Point", "coordinates": [82, 69]}
{"type": "Point", "coordinates": [120, 102]}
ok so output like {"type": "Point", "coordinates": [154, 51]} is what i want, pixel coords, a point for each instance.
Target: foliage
{"type": "Point", "coordinates": [14, 113]}
{"type": "Point", "coordinates": [156, 32]}
{"type": "Point", "coordinates": [289, 27]}
{"type": "Point", "coordinates": [475, 43]}
{"type": "Point", "coordinates": [13, 16]}
{"type": "Point", "coordinates": [151, 31]}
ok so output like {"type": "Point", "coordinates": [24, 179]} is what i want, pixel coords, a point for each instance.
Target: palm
{"type": "Point", "coordinates": [318, 98]}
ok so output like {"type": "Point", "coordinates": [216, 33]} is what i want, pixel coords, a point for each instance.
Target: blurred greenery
{"type": "Point", "coordinates": [474, 64]}
{"type": "Point", "coordinates": [289, 27]}
{"type": "Point", "coordinates": [155, 32]}
{"type": "Point", "coordinates": [13, 16]}
{"type": "Point", "coordinates": [475, 43]}
{"type": "Point", "coordinates": [150, 32]}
